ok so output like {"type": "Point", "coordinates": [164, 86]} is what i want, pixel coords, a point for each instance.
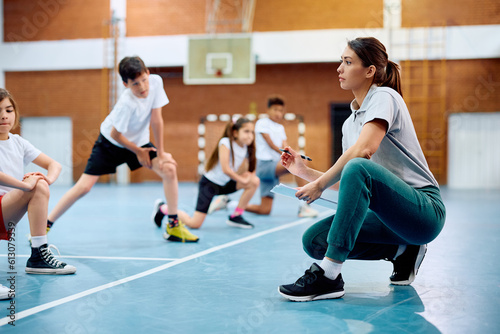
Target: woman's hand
{"type": "Point", "coordinates": [310, 192]}
{"type": "Point", "coordinates": [292, 161]}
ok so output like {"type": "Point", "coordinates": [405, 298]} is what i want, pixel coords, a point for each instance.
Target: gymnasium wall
{"type": "Point", "coordinates": [27, 20]}
{"type": "Point", "coordinates": [77, 94]}
{"type": "Point", "coordinates": [432, 13]}
{"type": "Point", "coordinates": [471, 85]}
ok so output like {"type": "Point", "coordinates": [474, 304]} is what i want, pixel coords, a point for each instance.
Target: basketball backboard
{"type": "Point", "coordinates": [225, 59]}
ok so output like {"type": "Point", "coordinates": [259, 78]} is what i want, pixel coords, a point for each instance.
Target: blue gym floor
{"type": "Point", "coordinates": [129, 280]}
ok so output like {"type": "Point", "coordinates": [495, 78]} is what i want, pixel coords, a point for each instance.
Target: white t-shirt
{"type": "Point", "coordinates": [399, 151]}
{"type": "Point", "coordinates": [131, 115]}
{"type": "Point", "coordinates": [277, 134]}
{"type": "Point", "coordinates": [15, 153]}
{"type": "Point", "coordinates": [216, 175]}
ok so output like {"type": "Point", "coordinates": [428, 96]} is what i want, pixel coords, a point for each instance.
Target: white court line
{"type": "Point", "coordinates": [106, 257]}
{"type": "Point", "coordinates": [46, 306]}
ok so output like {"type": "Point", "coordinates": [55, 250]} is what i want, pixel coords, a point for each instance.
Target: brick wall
{"type": "Point", "coordinates": [28, 20]}
{"type": "Point", "coordinates": [77, 94]}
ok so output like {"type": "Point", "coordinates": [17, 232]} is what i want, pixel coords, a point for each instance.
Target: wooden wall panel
{"type": "Point", "coordinates": [428, 13]}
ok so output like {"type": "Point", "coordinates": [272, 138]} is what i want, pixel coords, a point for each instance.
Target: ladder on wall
{"type": "Point", "coordinates": [424, 89]}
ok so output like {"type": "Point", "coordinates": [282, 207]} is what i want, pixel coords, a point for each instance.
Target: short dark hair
{"type": "Point", "coordinates": [131, 68]}
{"type": "Point", "coordinates": [275, 100]}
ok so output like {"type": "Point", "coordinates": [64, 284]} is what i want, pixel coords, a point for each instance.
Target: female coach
{"type": "Point", "coordinates": [389, 202]}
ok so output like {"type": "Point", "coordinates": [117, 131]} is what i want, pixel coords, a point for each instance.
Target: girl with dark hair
{"type": "Point", "coordinates": [389, 204]}
{"type": "Point", "coordinates": [223, 176]}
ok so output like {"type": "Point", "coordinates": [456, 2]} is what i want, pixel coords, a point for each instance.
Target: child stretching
{"type": "Point", "coordinates": [124, 138]}
{"type": "Point", "coordinates": [270, 137]}
{"type": "Point", "coordinates": [222, 177]}
{"type": "Point", "coordinates": [29, 193]}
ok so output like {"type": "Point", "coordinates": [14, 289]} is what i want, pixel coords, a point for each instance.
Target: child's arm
{"type": "Point", "coordinates": [157, 127]}
{"type": "Point", "coordinates": [26, 185]}
{"type": "Point", "coordinates": [224, 154]}
{"type": "Point", "coordinates": [269, 142]}
{"type": "Point", "coordinates": [53, 167]}
{"type": "Point", "coordinates": [141, 152]}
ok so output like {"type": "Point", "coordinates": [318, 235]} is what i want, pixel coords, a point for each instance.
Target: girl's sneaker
{"type": "Point", "coordinates": [305, 211]}
{"type": "Point", "coordinates": [4, 292]}
{"type": "Point", "coordinates": [219, 203]}
{"type": "Point", "coordinates": [42, 261]}
{"type": "Point", "coordinates": [238, 221]}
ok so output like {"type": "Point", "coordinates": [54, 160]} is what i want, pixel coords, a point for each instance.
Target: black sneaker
{"type": "Point", "coordinates": [406, 265]}
{"type": "Point", "coordinates": [42, 261]}
{"type": "Point", "coordinates": [238, 221]}
{"type": "Point", "coordinates": [157, 215]}
{"type": "Point", "coordinates": [313, 286]}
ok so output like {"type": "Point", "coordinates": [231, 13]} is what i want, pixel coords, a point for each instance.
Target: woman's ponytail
{"type": "Point", "coordinates": [393, 77]}
{"type": "Point", "coordinates": [372, 52]}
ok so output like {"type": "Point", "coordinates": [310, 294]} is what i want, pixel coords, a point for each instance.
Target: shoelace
{"type": "Point", "coordinates": [308, 277]}
{"type": "Point", "coordinates": [49, 257]}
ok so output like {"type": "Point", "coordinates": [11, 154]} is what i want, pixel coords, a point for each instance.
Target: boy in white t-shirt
{"type": "Point", "coordinates": [124, 138]}
{"type": "Point", "coordinates": [270, 136]}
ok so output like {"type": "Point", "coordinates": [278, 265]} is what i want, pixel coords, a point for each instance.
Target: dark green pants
{"type": "Point", "coordinates": [376, 213]}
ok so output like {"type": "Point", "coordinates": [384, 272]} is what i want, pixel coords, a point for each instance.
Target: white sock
{"type": "Point", "coordinates": [38, 241]}
{"type": "Point", "coordinates": [332, 269]}
{"type": "Point", "coordinates": [401, 250]}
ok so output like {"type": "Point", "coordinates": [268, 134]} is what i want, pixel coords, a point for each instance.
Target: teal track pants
{"type": "Point", "coordinates": [376, 213]}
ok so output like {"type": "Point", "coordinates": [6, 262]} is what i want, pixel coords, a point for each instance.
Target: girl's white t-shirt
{"type": "Point", "coordinates": [131, 115]}
{"type": "Point", "coordinates": [15, 153]}
{"type": "Point", "coordinates": [216, 175]}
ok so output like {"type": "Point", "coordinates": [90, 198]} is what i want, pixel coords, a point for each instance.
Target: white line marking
{"type": "Point", "coordinates": [106, 257]}
{"type": "Point", "coordinates": [46, 306]}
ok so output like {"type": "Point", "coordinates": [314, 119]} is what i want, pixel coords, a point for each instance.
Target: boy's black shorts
{"type": "Point", "coordinates": [106, 156]}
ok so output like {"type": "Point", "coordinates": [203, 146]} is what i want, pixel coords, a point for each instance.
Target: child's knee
{"type": "Point", "coordinates": [168, 170]}
{"type": "Point", "coordinates": [255, 181]}
{"type": "Point", "coordinates": [42, 188]}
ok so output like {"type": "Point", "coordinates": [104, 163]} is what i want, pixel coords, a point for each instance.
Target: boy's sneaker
{"type": "Point", "coordinates": [406, 265]}
{"type": "Point", "coordinates": [4, 292]}
{"type": "Point", "coordinates": [157, 215]}
{"type": "Point", "coordinates": [219, 203]}
{"type": "Point", "coordinates": [42, 261]}
{"type": "Point", "coordinates": [313, 286]}
{"type": "Point", "coordinates": [305, 211]}
{"type": "Point", "coordinates": [179, 233]}
{"type": "Point", "coordinates": [238, 221]}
